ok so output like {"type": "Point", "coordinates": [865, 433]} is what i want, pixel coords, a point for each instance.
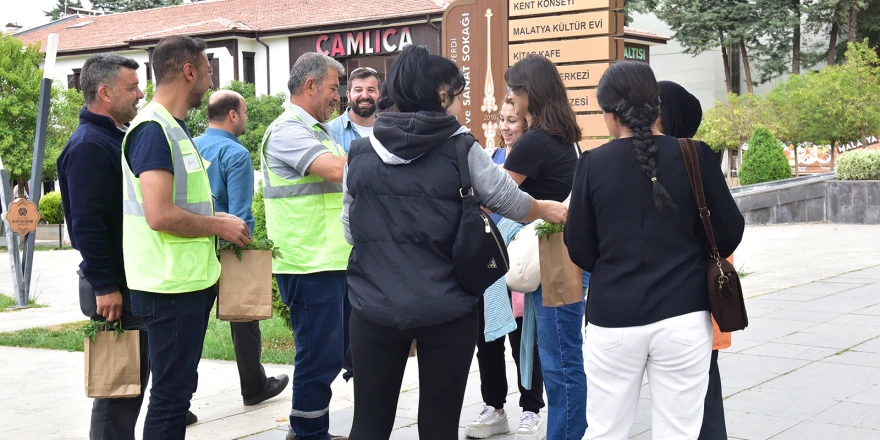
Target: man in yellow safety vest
{"type": "Point", "coordinates": [302, 169]}
{"type": "Point", "coordinates": [170, 230]}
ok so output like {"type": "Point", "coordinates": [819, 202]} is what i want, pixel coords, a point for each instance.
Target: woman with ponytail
{"type": "Point", "coordinates": [543, 164]}
{"type": "Point", "coordinates": [402, 206]}
{"type": "Point", "coordinates": [634, 223]}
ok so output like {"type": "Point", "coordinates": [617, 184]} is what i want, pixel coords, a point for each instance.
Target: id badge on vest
{"type": "Point", "coordinates": [191, 162]}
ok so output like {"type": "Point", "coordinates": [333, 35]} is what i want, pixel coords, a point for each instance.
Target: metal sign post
{"type": "Point", "coordinates": [24, 269]}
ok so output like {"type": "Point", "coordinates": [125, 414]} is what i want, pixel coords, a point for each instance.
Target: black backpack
{"type": "Point", "coordinates": [479, 253]}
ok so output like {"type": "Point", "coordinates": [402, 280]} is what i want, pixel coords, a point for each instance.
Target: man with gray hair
{"type": "Point", "coordinates": [302, 170]}
{"type": "Point", "coordinates": [90, 174]}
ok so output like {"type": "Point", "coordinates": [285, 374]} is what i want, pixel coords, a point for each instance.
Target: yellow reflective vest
{"type": "Point", "coordinates": [156, 261]}
{"type": "Point", "coordinates": [302, 215]}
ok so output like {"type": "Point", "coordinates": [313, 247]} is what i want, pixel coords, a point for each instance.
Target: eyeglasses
{"type": "Point", "coordinates": [368, 69]}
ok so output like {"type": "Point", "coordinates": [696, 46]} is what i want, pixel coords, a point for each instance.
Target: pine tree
{"type": "Point", "coordinates": [764, 161]}
{"type": "Point", "coordinates": [56, 13]}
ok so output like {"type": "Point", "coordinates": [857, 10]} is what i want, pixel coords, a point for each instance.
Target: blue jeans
{"type": "Point", "coordinates": [319, 315]}
{"type": "Point", "coordinates": [560, 346]}
{"type": "Point", "coordinates": [176, 324]}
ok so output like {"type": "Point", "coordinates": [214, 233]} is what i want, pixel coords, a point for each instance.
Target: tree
{"type": "Point", "coordinates": [700, 26]}
{"type": "Point", "coordinates": [131, 5]}
{"type": "Point", "coordinates": [20, 76]}
{"type": "Point", "coordinates": [849, 93]}
{"type": "Point", "coordinates": [63, 120]}
{"type": "Point", "coordinates": [728, 125]}
{"type": "Point", "coordinates": [765, 160]}
{"type": "Point", "coordinates": [59, 10]}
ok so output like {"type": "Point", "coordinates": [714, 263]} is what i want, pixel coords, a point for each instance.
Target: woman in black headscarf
{"type": "Point", "coordinates": [680, 116]}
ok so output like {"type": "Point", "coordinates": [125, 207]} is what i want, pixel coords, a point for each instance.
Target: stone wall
{"type": "Point", "coordinates": [799, 203]}
{"type": "Point", "coordinates": [810, 200]}
{"type": "Point", "coordinates": [853, 202]}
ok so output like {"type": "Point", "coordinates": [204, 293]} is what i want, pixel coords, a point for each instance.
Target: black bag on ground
{"type": "Point", "coordinates": [479, 253]}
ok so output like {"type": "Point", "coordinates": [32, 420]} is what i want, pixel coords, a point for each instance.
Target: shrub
{"type": "Point", "coordinates": [765, 159]}
{"type": "Point", "coordinates": [259, 211]}
{"type": "Point", "coordinates": [51, 209]}
{"type": "Point", "coordinates": [859, 165]}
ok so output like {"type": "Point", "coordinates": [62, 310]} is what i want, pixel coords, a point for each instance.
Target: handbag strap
{"type": "Point", "coordinates": [692, 165]}
{"type": "Point", "coordinates": [464, 171]}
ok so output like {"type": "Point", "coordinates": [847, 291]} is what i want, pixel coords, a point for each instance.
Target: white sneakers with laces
{"type": "Point", "coordinates": [487, 424]}
{"type": "Point", "coordinates": [530, 427]}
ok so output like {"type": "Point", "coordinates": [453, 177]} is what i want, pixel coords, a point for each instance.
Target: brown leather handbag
{"type": "Point", "coordinates": [726, 299]}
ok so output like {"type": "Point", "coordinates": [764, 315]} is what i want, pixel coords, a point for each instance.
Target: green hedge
{"type": "Point", "coordinates": [259, 211]}
{"type": "Point", "coordinates": [859, 165]}
{"type": "Point", "coordinates": [765, 159]}
{"type": "Point", "coordinates": [51, 209]}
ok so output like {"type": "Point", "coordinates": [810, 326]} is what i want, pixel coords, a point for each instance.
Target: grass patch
{"type": "Point", "coordinates": [8, 301]}
{"type": "Point", "coordinates": [278, 346]}
{"type": "Point", "coordinates": [742, 272]}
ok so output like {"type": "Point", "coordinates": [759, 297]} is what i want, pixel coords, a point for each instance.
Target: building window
{"type": "Point", "coordinates": [149, 71]}
{"type": "Point", "coordinates": [215, 66]}
{"type": "Point", "coordinates": [250, 74]}
{"type": "Point", "coordinates": [73, 80]}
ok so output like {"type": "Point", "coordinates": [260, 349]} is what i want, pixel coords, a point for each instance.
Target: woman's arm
{"type": "Point", "coordinates": [727, 222]}
{"type": "Point", "coordinates": [580, 233]}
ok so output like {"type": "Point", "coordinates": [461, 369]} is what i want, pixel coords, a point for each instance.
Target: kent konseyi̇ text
{"type": "Point", "coordinates": [571, 26]}
{"type": "Point", "coordinates": [538, 4]}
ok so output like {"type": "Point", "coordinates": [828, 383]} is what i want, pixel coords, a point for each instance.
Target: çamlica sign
{"type": "Point", "coordinates": [367, 42]}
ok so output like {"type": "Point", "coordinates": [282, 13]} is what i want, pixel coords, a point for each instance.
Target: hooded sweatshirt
{"type": "Point", "coordinates": [401, 212]}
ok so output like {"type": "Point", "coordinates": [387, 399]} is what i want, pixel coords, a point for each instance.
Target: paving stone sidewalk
{"type": "Point", "coordinates": [808, 366]}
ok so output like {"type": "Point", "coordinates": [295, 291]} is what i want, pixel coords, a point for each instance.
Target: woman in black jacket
{"type": "Point", "coordinates": [634, 224]}
{"type": "Point", "coordinates": [401, 211]}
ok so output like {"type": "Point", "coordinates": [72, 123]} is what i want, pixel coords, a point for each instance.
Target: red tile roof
{"type": "Point", "coordinates": [118, 30]}
{"type": "Point", "coordinates": [211, 17]}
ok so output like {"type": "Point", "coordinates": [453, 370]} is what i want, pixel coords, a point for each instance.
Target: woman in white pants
{"type": "Point", "coordinates": [633, 222]}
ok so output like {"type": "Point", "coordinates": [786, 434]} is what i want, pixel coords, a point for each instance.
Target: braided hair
{"type": "Point", "coordinates": [629, 90]}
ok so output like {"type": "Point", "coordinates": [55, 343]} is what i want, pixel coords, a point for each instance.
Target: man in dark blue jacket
{"type": "Point", "coordinates": [90, 175]}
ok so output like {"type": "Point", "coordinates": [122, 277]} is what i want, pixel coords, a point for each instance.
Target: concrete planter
{"type": "Point", "coordinates": [49, 231]}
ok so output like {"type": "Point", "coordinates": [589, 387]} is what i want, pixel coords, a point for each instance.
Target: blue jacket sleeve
{"type": "Point", "coordinates": [88, 171]}
{"type": "Point", "coordinates": [240, 186]}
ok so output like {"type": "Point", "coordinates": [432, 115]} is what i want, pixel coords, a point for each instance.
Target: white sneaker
{"type": "Point", "coordinates": [530, 427]}
{"type": "Point", "coordinates": [487, 424]}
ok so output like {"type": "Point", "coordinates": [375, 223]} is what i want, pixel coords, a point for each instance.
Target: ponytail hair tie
{"type": "Point", "coordinates": [653, 179]}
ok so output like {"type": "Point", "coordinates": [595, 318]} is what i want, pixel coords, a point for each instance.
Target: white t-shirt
{"type": "Point", "coordinates": [363, 131]}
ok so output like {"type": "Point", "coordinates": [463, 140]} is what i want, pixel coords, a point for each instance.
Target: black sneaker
{"type": "Point", "coordinates": [191, 418]}
{"type": "Point", "coordinates": [274, 387]}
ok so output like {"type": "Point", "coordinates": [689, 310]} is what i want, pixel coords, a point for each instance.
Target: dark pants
{"type": "Point", "coordinates": [714, 427]}
{"type": "Point", "coordinates": [493, 370]}
{"type": "Point", "coordinates": [114, 419]}
{"type": "Point", "coordinates": [247, 340]}
{"type": "Point", "coordinates": [380, 354]}
{"type": "Point", "coordinates": [319, 314]}
{"type": "Point", "coordinates": [177, 324]}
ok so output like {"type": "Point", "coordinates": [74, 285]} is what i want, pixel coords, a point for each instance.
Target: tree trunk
{"type": "Point", "coordinates": [748, 70]}
{"type": "Point", "coordinates": [797, 172]}
{"type": "Point", "coordinates": [796, 39]}
{"type": "Point", "coordinates": [864, 137]}
{"type": "Point", "coordinates": [727, 72]}
{"type": "Point", "coordinates": [832, 47]}
{"type": "Point", "coordinates": [853, 11]}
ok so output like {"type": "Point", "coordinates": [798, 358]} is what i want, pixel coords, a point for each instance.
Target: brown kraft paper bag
{"type": "Point", "coordinates": [245, 286]}
{"type": "Point", "coordinates": [562, 282]}
{"type": "Point", "coordinates": [113, 365]}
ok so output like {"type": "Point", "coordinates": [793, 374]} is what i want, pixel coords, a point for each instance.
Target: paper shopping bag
{"type": "Point", "coordinates": [113, 365]}
{"type": "Point", "coordinates": [245, 286]}
{"type": "Point", "coordinates": [561, 280]}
